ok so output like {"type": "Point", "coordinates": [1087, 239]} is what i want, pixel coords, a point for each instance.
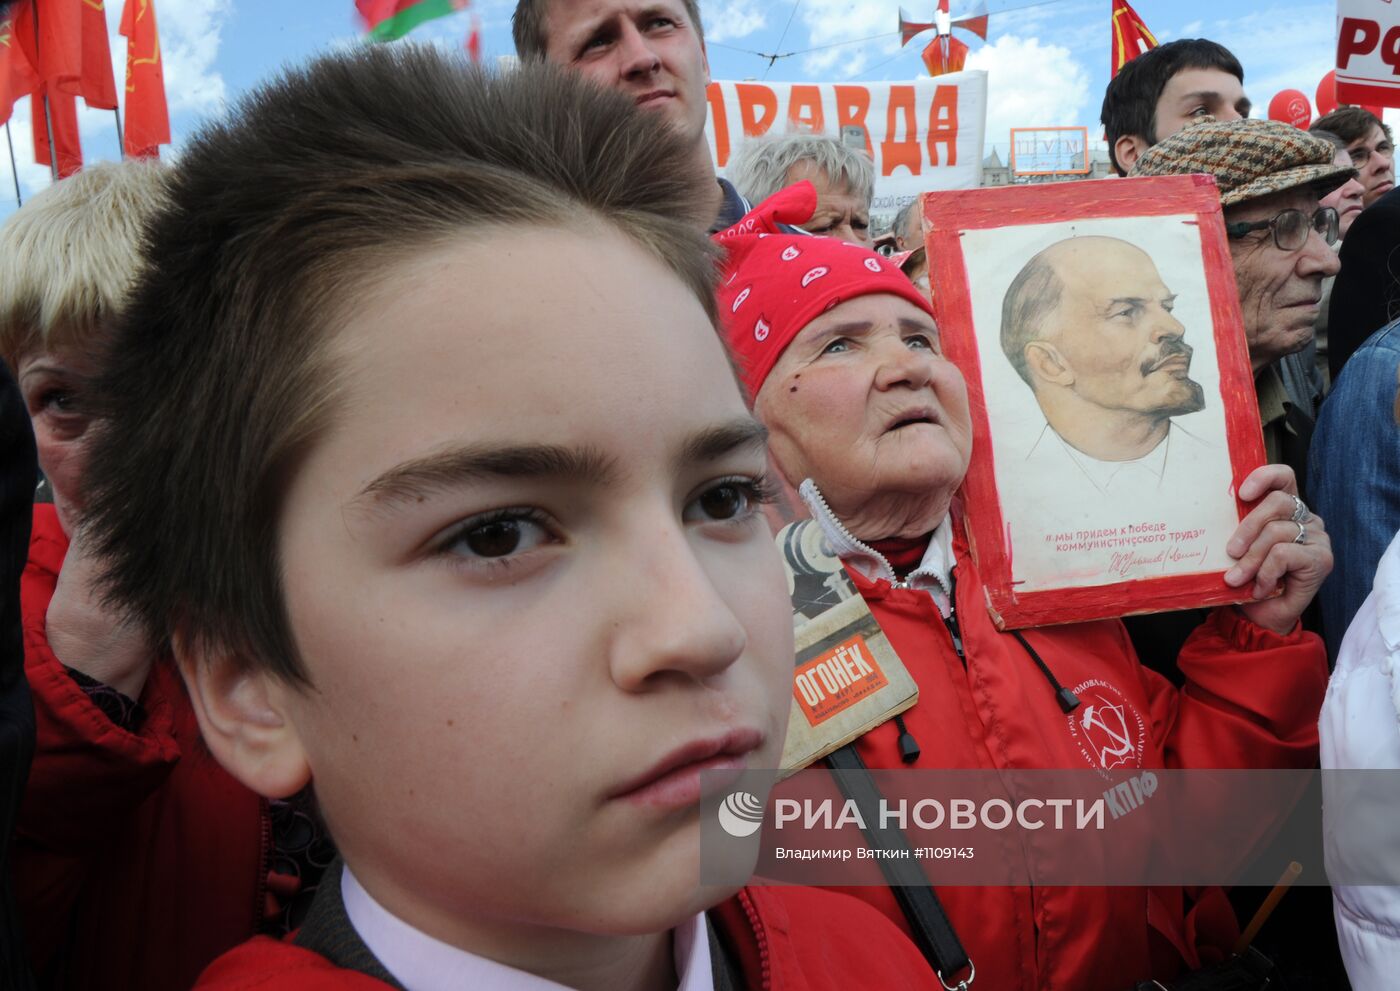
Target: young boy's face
{"type": "Point", "coordinates": [531, 586]}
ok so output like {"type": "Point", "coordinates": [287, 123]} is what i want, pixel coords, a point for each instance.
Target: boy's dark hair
{"type": "Point", "coordinates": [280, 219]}
{"type": "Point", "coordinates": [1130, 102]}
{"type": "Point", "coordinates": [1351, 124]}
{"type": "Point", "coordinates": [527, 26]}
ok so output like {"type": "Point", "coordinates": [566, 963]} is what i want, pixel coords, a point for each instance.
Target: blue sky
{"type": "Point", "coordinates": [1047, 62]}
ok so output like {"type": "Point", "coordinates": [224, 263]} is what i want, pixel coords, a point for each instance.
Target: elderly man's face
{"type": "Point", "coordinates": [1279, 290]}
{"type": "Point", "coordinates": [1374, 157]}
{"type": "Point", "coordinates": [863, 402]}
{"type": "Point", "coordinates": [647, 49]}
{"type": "Point", "coordinates": [840, 212]}
{"type": "Point", "coordinates": [1112, 339]}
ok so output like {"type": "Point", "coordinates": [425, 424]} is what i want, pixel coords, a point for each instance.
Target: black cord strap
{"type": "Point", "coordinates": [933, 933]}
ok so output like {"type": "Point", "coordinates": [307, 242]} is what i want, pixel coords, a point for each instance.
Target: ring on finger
{"type": "Point", "coordinates": [1301, 514]}
{"type": "Point", "coordinates": [1302, 537]}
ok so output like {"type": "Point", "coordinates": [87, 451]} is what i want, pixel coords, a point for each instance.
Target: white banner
{"type": "Point", "coordinates": [922, 135]}
{"type": "Point", "coordinates": [1368, 52]}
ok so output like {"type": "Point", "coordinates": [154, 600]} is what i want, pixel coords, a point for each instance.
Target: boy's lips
{"type": "Point", "coordinates": [674, 780]}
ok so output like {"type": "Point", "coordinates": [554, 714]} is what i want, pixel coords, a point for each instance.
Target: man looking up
{"type": "Point", "coordinates": [651, 50]}
{"type": "Point", "coordinates": [1162, 90]}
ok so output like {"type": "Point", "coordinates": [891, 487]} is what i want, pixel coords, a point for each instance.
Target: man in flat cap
{"type": "Point", "coordinates": [1271, 178]}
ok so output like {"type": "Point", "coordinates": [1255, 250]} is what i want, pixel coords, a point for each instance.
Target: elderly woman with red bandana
{"type": "Point", "coordinates": [868, 419]}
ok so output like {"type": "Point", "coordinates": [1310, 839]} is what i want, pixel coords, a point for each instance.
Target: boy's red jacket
{"type": "Point", "coordinates": [137, 858]}
{"type": "Point", "coordinates": [779, 939]}
{"type": "Point", "coordinates": [1251, 699]}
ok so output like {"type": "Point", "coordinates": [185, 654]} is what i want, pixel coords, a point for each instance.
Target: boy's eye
{"type": "Point", "coordinates": [498, 536]}
{"type": "Point", "coordinates": [918, 342]}
{"type": "Point", "coordinates": [726, 500]}
{"type": "Point", "coordinates": [723, 502]}
{"type": "Point", "coordinates": [837, 346]}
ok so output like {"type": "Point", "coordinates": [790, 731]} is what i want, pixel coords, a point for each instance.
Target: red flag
{"type": "Point", "coordinates": [474, 39]}
{"type": "Point", "coordinates": [55, 49]}
{"type": "Point", "coordinates": [17, 76]}
{"type": "Point", "coordinates": [63, 118]}
{"type": "Point", "coordinates": [1130, 36]}
{"type": "Point", "coordinates": [938, 60]}
{"type": "Point", "coordinates": [387, 20]}
{"type": "Point", "coordinates": [97, 86]}
{"type": "Point", "coordinates": [147, 114]}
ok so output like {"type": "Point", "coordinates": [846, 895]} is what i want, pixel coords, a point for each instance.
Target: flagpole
{"type": "Point", "coordinates": [14, 169]}
{"type": "Point", "coordinates": [48, 118]}
{"type": "Point", "coordinates": [121, 142]}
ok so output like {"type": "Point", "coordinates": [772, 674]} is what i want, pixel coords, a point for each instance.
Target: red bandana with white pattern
{"type": "Point", "coordinates": [774, 284]}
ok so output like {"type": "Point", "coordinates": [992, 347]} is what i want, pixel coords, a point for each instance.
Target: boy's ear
{"type": "Point", "coordinates": [244, 716]}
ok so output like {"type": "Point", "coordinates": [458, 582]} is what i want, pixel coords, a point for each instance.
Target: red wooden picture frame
{"type": "Point", "coordinates": [947, 216]}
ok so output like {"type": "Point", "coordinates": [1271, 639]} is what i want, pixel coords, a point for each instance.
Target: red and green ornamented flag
{"type": "Point", "coordinates": [386, 20]}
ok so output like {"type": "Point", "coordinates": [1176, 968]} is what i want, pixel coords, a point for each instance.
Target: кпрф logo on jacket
{"type": "Point", "coordinates": [1110, 732]}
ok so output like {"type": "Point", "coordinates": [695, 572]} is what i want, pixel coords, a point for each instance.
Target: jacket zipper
{"type": "Point", "coordinates": [760, 936]}
{"type": "Point", "coordinates": [895, 581]}
{"type": "Point", "coordinates": [951, 621]}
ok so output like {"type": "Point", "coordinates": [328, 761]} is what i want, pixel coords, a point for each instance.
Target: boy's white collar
{"type": "Point", "coordinates": [421, 963]}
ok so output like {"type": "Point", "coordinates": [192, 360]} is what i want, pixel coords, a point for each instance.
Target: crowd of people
{"type": "Point", "coordinates": [401, 561]}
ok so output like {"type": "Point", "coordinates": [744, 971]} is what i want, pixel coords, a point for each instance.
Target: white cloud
{"type": "Point", "coordinates": [1030, 84]}
{"type": "Point", "coordinates": [832, 22]}
{"type": "Point", "coordinates": [726, 20]}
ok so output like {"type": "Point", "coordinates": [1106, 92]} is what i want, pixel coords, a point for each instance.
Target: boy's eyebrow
{"type": "Point", "coordinates": [415, 478]}
{"type": "Point", "coordinates": [420, 476]}
{"type": "Point", "coordinates": [715, 442]}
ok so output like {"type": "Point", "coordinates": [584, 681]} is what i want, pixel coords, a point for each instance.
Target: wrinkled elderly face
{"type": "Point", "coordinates": [1279, 290]}
{"type": "Point", "coordinates": [1374, 157]}
{"type": "Point", "coordinates": [864, 403]}
{"type": "Point", "coordinates": [51, 383]}
{"type": "Point", "coordinates": [840, 212]}
{"type": "Point", "coordinates": [1112, 339]}
{"type": "Point", "coordinates": [1346, 199]}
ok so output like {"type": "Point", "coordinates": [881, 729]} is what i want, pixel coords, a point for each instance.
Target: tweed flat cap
{"type": "Point", "coordinates": [1248, 158]}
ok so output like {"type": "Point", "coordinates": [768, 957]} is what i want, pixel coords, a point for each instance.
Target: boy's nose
{"type": "Point", "coordinates": [672, 619]}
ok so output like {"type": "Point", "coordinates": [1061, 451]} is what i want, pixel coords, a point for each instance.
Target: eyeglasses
{"type": "Point", "coordinates": [1291, 227]}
